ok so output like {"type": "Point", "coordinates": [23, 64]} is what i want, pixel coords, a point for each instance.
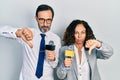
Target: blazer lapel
{"type": "Point", "coordinates": [86, 52]}
{"type": "Point", "coordinates": [89, 58]}
{"type": "Point", "coordinates": [89, 63]}
{"type": "Point", "coordinates": [74, 64]}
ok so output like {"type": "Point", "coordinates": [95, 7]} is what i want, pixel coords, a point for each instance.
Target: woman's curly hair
{"type": "Point", "coordinates": [69, 38]}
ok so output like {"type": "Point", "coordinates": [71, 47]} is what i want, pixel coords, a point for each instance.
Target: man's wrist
{"type": "Point", "coordinates": [18, 33]}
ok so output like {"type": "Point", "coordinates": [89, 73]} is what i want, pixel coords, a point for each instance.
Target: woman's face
{"type": "Point", "coordinates": [80, 34]}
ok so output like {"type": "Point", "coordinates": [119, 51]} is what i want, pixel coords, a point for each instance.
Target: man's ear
{"type": "Point", "coordinates": [36, 18]}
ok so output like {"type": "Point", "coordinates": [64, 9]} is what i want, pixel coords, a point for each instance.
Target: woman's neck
{"type": "Point", "coordinates": [79, 46]}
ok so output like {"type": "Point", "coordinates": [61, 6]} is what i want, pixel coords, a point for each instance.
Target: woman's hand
{"type": "Point", "coordinates": [91, 44]}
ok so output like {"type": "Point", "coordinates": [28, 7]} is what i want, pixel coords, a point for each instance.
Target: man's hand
{"type": "Point", "coordinates": [91, 44]}
{"type": "Point", "coordinates": [26, 35]}
{"type": "Point", "coordinates": [51, 55]}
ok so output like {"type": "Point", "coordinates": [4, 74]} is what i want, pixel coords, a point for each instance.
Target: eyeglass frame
{"type": "Point", "coordinates": [42, 20]}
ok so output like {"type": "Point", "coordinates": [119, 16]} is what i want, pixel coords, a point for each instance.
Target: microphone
{"type": "Point", "coordinates": [50, 46]}
{"type": "Point", "coordinates": [69, 53]}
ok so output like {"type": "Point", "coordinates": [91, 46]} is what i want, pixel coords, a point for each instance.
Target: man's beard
{"type": "Point", "coordinates": [44, 29]}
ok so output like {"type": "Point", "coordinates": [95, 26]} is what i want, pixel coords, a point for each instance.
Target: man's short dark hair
{"type": "Point", "coordinates": [44, 7]}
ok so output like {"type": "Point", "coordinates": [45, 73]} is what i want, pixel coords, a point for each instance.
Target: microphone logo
{"type": "Point", "coordinates": [50, 46]}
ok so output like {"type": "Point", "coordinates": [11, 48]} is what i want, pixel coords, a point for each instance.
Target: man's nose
{"type": "Point", "coordinates": [45, 23]}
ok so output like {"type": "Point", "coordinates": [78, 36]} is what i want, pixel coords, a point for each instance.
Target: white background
{"type": "Point", "coordinates": [102, 15]}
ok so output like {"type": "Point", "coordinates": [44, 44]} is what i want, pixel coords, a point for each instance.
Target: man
{"type": "Point", "coordinates": [30, 68]}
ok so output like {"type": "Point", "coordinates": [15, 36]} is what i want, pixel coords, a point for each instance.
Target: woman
{"type": "Point", "coordinates": [79, 37]}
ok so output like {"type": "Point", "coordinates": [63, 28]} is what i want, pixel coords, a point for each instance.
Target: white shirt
{"type": "Point", "coordinates": [83, 67]}
{"type": "Point", "coordinates": [30, 55]}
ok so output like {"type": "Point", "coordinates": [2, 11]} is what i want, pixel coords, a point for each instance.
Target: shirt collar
{"type": "Point", "coordinates": [39, 32]}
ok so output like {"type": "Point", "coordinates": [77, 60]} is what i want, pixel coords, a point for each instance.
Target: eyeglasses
{"type": "Point", "coordinates": [42, 20]}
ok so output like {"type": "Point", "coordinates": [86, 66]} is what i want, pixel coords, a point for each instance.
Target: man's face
{"type": "Point", "coordinates": [44, 20]}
